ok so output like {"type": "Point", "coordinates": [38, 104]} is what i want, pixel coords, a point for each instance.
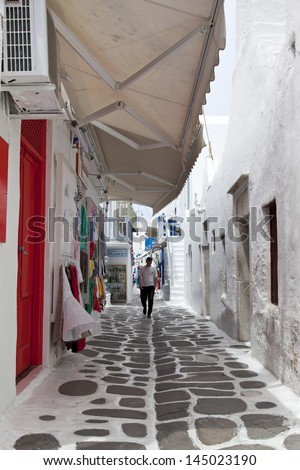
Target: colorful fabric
{"type": "Point", "coordinates": [75, 319]}
{"type": "Point", "coordinates": [91, 295]}
{"type": "Point", "coordinates": [83, 228]}
{"type": "Point", "coordinates": [92, 249]}
{"type": "Point", "coordinates": [92, 267]}
{"type": "Point", "coordinates": [84, 266]}
{"type": "Point", "coordinates": [74, 282]}
{"type": "Point", "coordinates": [96, 304]}
{"type": "Point", "coordinates": [76, 346]}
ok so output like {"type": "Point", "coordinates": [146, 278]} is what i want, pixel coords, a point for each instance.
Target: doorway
{"type": "Point", "coordinates": [206, 280]}
{"type": "Point", "coordinates": [31, 243]}
{"type": "Point", "coordinates": [243, 269]}
{"type": "Point", "coordinates": [190, 285]}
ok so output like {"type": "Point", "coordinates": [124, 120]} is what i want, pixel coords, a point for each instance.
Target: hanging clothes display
{"type": "Point", "coordinates": [76, 320]}
{"type": "Point", "coordinates": [84, 266]}
{"type": "Point", "coordinates": [101, 287]}
{"type": "Point", "coordinates": [58, 323]}
{"type": "Point", "coordinates": [91, 295]}
{"type": "Point", "coordinates": [74, 282]}
{"type": "Point", "coordinates": [96, 303]}
{"type": "Point", "coordinates": [92, 249]}
{"type": "Point", "coordinates": [76, 346]}
{"type": "Point", "coordinates": [102, 244]}
{"type": "Point", "coordinates": [76, 248]}
{"type": "Point", "coordinates": [83, 228]}
{"type": "Point", "coordinates": [89, 250]}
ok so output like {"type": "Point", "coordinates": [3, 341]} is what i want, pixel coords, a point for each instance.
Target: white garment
{"type": "Point", "coordinates": [80, 280]}
{"type": "Point", "coordinates": [79, 273]}
{"type": "Point", "coordinates": [76, 320]}
{"type": "Point", "coordinates": [147, 276]}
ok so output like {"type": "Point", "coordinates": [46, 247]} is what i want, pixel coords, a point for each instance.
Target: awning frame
{"type": "Point", "coordinates": [127, 140]}
{"type": "Point", "coordinates": [138, 172]}
{"type": "Point", "coordinates": [77, 45]}
{"type": "Point", "coordinates": [121, 106]}
{"type": "Point", "coordinates": [197, 82]}
{"type": "Point", "coordinates": [167, 124]}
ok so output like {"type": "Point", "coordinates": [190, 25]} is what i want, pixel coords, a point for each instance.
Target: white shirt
{"type": "Point", "coordinates": [147, 276]}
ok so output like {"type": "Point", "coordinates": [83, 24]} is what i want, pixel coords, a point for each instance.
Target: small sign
{"type": "Point", "coordinates": [149, 243]}
{"type": "Point", "coordinates": [117, 253]}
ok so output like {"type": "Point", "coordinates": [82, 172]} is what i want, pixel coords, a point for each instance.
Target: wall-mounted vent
{"type": "Point", "coordinates": [30, 63]}
{"type": "Point", "coordinates": [18, 36]}
{"type": "Point", "coordinates": [25, 42]}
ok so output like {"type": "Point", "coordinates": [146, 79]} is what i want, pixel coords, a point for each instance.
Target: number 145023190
{"type": "Point", "coordinates": [221, 459]}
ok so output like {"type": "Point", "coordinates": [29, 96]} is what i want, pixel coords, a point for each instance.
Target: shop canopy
{"type": "Point", "coordinates": [136, 73]}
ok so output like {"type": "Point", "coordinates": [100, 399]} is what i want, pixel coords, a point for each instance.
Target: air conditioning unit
{"type": "Point", "coordinates": [30, 59]}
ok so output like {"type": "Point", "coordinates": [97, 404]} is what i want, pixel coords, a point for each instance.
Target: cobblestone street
{"type": "Point", "coordinates": [170, 382]}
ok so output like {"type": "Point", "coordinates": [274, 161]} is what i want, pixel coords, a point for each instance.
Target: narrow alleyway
{"type": "Point", "coordinates": [170, 382]}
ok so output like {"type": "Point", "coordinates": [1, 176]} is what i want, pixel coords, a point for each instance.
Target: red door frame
{"type": "Point", "coordinates": [39, 246]}
{"type": "Point", "coordinates": [3, 188]}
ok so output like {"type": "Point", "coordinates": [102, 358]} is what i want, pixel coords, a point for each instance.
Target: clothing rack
{"type": "Point", "coordinates": [66, 257]}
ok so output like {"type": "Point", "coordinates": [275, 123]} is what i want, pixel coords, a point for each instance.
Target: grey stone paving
{"type": "Point", "coordinates": [170, 382]}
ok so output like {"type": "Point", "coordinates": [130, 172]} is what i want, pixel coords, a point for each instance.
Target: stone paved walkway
{"type": "Point", "coordinates": [170, 382]}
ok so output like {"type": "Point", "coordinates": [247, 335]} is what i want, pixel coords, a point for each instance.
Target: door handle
{"type": "Point", "coordinates": [22, 250]}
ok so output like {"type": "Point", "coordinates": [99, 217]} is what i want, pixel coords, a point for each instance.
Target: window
{"type": "Point", "coordinates": [122, 229]}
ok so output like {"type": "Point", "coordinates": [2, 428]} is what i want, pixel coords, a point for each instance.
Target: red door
{"type": "Point", "coordinates": [30, 256]}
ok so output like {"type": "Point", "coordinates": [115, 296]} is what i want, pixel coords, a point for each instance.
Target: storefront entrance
{"type": "Point", "coordinates": [31, 246]}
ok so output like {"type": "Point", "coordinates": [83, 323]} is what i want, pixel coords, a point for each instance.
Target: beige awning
{"type": "Point", "coordinates": [137, 72]}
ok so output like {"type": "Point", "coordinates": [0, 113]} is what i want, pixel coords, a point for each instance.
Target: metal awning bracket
{"type": "Point", "coordinates": [202, 28]}
{"type": "Point", "coordinates": [80, 48]}
{"type": "Point", "coordinates": [127, 140]}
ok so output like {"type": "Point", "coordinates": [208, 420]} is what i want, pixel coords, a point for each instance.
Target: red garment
{"type": "Point", "coordinates": [92, 249]}
{"type": "Point", "coordinates": [79, 345]}
{"type": "Point", "coordinates": [96, 304]}
{"type": "Point", "coordinates": [76, 346]}
{"type": "Point", "coordinates": [74, 282]}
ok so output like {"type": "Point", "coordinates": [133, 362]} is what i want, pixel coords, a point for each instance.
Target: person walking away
{"type": "Point", "coordinates": [147, 284]}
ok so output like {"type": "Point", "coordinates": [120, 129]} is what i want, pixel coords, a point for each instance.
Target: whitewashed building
{"type": "Point", "coordinates": [91, 111]}
{"type": "Point", "coordinates": [243, 270]}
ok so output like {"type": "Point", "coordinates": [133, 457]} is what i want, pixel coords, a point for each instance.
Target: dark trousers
{"type": "Point", "coordinates": [147, 294]}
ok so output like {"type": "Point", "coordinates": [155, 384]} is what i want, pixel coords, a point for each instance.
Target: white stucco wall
{"type": "Point", "coordinates": [9, 264]}
{"type": "Point", "coordinates": [62, 185]}
{"type": "Point", "coordinates": [202, 179]}
{"type": "Point", "coordinates": [199, 187]}
{"type": "Point", "coordinates": [61, 181]}
{"type": "Point", "coordinates": [263, 141]}
{"type": "Point", "coordinates": [58, 184]}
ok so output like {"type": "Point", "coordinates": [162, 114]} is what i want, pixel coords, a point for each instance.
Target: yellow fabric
{"type": "Point", "coordinates": [92, 267]}
{"type": "Point", "coordinates": [100, 287]}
